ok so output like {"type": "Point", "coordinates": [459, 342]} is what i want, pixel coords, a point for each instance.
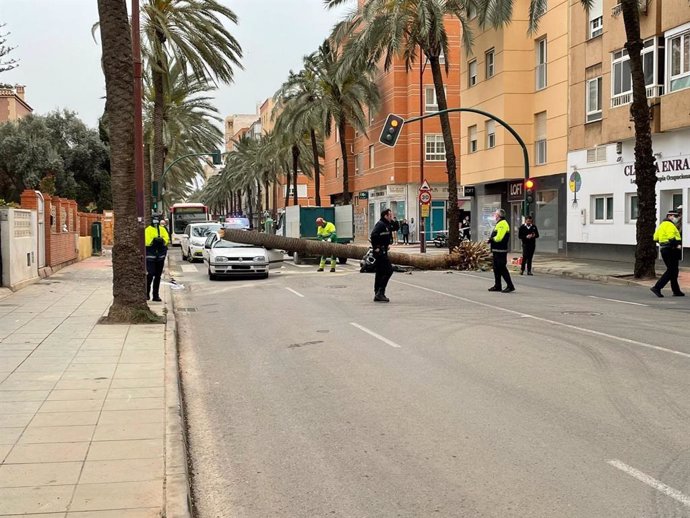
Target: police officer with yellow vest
{"type": "Point", "coordinates": [499, 242]}
{"type": "Point", "coordinates": [669, 240]}
{"type": "Point", "coordinates": [157, 239]}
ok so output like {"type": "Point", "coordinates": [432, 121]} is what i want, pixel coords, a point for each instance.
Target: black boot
{"type": "Point", "coordinates": [380, 296]}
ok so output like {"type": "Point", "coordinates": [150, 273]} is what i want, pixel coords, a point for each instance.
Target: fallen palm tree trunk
{"type": "Point", "coordinates": [467, 256]}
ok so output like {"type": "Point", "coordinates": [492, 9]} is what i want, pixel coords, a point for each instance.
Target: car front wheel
{"type": "Point", "coordinates": [211, 276]}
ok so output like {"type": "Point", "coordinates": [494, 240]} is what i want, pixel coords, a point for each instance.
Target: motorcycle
{"type": "Point", "coordinates": [441, 240]}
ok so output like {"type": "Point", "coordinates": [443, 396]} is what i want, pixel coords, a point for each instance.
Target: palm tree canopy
{"type": "Point", "coordinates": [193, 32]}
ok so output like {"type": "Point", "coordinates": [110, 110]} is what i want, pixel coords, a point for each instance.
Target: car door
{"type": "Point", "coordinates": [208, 244]}
{"type": "Point", "coordinates": [184, 240]}
{"type": "Point", "coordinates": [275, 258]}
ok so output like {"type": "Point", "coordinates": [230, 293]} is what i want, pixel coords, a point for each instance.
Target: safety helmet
{"type": "Point", "coordinates": [319, 221]}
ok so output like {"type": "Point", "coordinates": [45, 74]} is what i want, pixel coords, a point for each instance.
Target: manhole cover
{"type": "Point", "coordinates": [582, 313]}
{"type": "Point", "coordinates": [187, 310]}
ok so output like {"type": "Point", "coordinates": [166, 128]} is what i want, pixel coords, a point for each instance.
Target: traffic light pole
{"type": "Point", "coordinates": [216, 161]}
{"type": "Point", "coordinates": [525, 155]}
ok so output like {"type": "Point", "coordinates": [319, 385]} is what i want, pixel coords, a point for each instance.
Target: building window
{"type": "Point", "coordinates": [435, 148]}
{"type": "Point", "coordinates": [490, 63]}
{"type": "Point", "coordinates": [473, 145]}
{"type": "Point", "coordinates": [337, 168]}
{"type": "Point", "coordinates": [441, 58]}
{"type": "Point", "coordinates": [679, 61]}
{"type": "Point", "coordinates": [490, 134]}
{"type": "Point", "coordinates": [540, 138]}
{"type": "Point", "coordinates": [431, 100]}
{"type": "Point", "coordinates": [337, 136]}
{"type": "Point", "coordinates": [596, 18]}
{"type": "Point", "coordinates": [596, 154]}
{"type": "Point", "coordinates": [371, 157]}
{"type": "Point", "coordinates": [602, 208]}
{"type": "Point", "coordinates": [472, 73]}
{"type": "Point", "coordinates": [632, 210]}
{"type": "Point", "coordinates": [593, 101]}
{"type": "Point", "coordinates": [621, 80]}
{"type": "Point", "coordinates": [541, 80]}
{"type": "Point", "coordinates": [358, 164]}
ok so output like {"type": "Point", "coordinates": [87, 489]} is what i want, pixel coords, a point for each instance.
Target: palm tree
{"type": "Point", "coordinates": [301, 107]}
{"type": "Point", "coordinates": [347, 89]}
{"type": "Point", "coordinates": [189, 127]}
{"type": "Point", "coordinates": [129, 284]}
{"type": "Point", "coordinates": [384, 29]}
{"type": "Point", "coordinates": [192, 32]}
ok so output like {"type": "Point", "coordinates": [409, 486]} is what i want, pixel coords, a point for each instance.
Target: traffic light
{"type": "Point", "coordinates": [529, 191]}
{"type": "Point", "coordinates": [215, 154]}
{"type": "Point", "coordinates": [391, 130]}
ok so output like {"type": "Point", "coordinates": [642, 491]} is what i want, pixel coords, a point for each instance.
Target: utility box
{"type": "Point", "coordinates": [96, 238]}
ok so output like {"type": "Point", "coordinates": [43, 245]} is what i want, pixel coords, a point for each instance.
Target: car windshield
{"type": "Point", "coordinates": [229, 244]}
{"type": "Point", "coordinates": [205, 230]}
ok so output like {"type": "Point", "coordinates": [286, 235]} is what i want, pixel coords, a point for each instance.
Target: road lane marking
{"type": "Point", "coordinates": [552, 322]}
{"type": "Point", "coordinates": [616, 300]}
{"type": "Point", "coordinates": [295, 292]}
{"type": "Point", "coordinates": [651, 482]}
{"type": "Point", "coordinates": [375, 335]}
{"type": "Point", "coordinates": [189, 268]}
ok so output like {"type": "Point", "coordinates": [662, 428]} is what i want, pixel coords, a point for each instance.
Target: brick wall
{"type": "Point", "coordinates": [63, 225]}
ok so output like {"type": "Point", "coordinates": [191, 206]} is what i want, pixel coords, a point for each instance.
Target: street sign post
{"type": "Point", "coordinates": [424, 209]}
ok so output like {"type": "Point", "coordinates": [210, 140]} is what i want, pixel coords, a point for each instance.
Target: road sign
{"type": "Point", "coordinates": [425, 210]}
{"type": "Point", "coordinates": [425, 197]}
{"type": "Point", "coordinates": [575, 182]}
{"type": "Point", "coordinates": [425, 187]}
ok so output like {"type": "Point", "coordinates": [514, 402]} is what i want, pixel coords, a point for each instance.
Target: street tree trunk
{"type": "Point", "coordinates": [147, 180]}
{"type": "Point", "coordinates": [295, 163]}
{"type": "Point", "coordinates": [645, 168]}
{"type": "Point", "coordinates": [466, 256]}
{"type": "Point", "coordinates": [129, 282]}
{"type": "Point", "coordinates": [317, 168]}
{"type": "Point", "coordinates": [346, 170]}
{"type": "Point", "coordinates": [451, 164]}
{"type": "Point", "coordinates": [287, 188]}
{"type": "Point", "coordinates": [158, 80]}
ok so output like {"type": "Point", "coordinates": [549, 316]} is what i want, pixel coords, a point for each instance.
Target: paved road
{"type": "Point", "coordinates": [305, 399]}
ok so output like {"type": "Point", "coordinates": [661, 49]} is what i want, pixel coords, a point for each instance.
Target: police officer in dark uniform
{"type": "Point", "coordinates": [381, 239]}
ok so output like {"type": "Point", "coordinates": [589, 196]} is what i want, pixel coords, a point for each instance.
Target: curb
{"type": "Point", "coordinates": [606, 279]}
{"type": "Point", "coordinates": [178, 493]}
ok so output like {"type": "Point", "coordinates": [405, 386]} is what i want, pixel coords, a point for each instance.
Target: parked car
{"type": "Point", "coordinates": [193, 239]}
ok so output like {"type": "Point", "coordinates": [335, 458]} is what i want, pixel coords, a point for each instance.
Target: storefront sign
{"type": "Point", "coordinates": [395, 190]}
{"type": "Point", "coordinates": [377, 194]}
{"type": "Point", "coordinates": [515, 192]}
{"type": "Point", "coordinates": [363, 195]}
{"type": "Point", "coordinates": [575, 182]}
{"type": "Point", "coordinates": [663, 167]}
{"type": "Point", "coordinates": [467, 191]}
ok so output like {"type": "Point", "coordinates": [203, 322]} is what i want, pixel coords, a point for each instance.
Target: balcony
{"type": "Point", "coordinates": [626, 98]}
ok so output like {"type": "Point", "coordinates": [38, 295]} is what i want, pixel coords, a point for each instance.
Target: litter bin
{"type": "Point", "coordinates": [96, 238]}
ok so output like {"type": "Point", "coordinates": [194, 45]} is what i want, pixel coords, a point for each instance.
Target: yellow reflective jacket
{"type": "Point", "coordinates": [327, 232]}
{"type": "Point", "coordinates": [151, 232]}
{"type": "Point", "coordinates": [666, 232]}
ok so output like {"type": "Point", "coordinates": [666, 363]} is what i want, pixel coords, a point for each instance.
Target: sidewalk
{"type": "Point", "coordinates": [89, 414]}
{"type": "Point", "coordinates": [590, 269]}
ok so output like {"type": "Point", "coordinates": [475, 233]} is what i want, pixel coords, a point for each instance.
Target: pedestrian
{"type": "Point", "coordinates": [413, 230]}
{"type": "Point", "coordinates": [500, 237]}
{"type": "Point", "coordinates": [395, 225]}
{"type": "Point", "coordinates": [326, 232]}
{"type": "Point", "coordinates": [405, 230]}
{"type": "Point", "coordinates": [157, 240]}
{"type": "Point", "coordinates": [528, 234]}
{"type": "Point", "coordinates": [465, 229]}
{"type": "Point", "coordinates": [668, 237]}
{"type": "Point", "coordinates": [381, 238]}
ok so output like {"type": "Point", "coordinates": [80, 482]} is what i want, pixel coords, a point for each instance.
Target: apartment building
{"type": "Point", "coordinates": [13, 104]}
{"type": "Point", "coordinates": [520, 78]}
{"type": "Point", "coordinates": [381, 177]}
{"type": "Point", "coordinates": [602, 214]}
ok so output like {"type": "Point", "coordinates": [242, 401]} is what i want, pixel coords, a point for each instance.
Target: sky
{"type": "Point", "coordinates": [60, 60]}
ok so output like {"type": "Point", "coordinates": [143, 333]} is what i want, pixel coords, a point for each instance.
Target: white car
{"type": "Point", "coordinates": [225, 258]}
{"type": "Point", "coordinates": [193, 240]}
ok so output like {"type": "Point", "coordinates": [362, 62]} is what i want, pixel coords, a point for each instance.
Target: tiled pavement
{"type": "Point", "coordinates": [82, 405]}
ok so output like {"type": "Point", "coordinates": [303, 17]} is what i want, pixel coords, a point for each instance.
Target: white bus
{"type": "Point", "coordinates": [181, 215]}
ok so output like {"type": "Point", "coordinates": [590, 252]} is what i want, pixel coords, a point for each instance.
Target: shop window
{"type": "Point", "coordinates": [632, 208]}
{"type": "Point", "coordinates": [602, 208]}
